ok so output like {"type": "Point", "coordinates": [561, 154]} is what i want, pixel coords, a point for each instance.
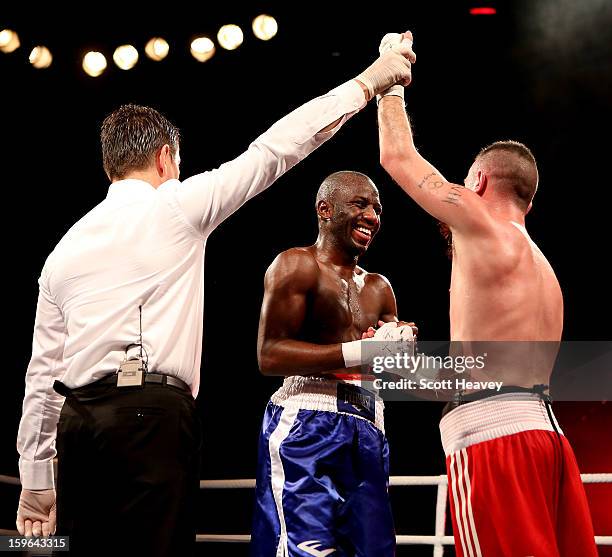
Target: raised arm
{"type": "Point", "coordinates": [455, 205]}
{"type": "Point", "coordinates": [450, 203]}
{"type": "Point", "coordinates": [289, 281]}
{"type": "Point", "coordinates": [208, 198]}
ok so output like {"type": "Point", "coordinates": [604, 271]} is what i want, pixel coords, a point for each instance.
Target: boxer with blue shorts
{"type": "Point", "coordinates": [323, 456]}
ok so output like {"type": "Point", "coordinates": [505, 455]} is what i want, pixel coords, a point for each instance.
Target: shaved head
{"type": "Point", "coordinates": [341, 185]}
{"type": "Point", "coordinates": [512, 167]}
{"type": "Point", "coordinates": [348, 211]}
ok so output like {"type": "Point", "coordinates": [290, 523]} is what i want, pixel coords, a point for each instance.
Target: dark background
{"type": "Point", "coordinates": [539, 71]}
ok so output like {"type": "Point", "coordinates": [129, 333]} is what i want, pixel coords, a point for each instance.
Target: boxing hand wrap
{"type": "Point", "coordinates": [391, 332]}
{"type": "Point", "coordinates": [393, 91]}
{"type": "Point", "coordinates": [351, 352]}
{"type": "Point", "coordinates": [389, 41]}
{"type": "Point", "coordinates": [389, 69]}
{"type": "Point", "coordinates": [389, 338]}
{"type": "Point", "coordinates": [395, 42]}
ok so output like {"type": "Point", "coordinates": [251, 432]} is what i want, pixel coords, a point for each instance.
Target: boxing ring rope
{"type": "Point", "coordinates": [438, 540]}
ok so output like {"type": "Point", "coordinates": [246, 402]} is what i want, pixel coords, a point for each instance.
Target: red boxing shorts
{"type": "Point", "coordinates": [514, 484]}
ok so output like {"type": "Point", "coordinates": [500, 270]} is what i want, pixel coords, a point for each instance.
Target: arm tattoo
{"type": "Point", "coordinates": [420, 184]}
{"type": "Point", "coordinates": [453, 195]}
{"type": "Point", "coordinates": [437, 184]}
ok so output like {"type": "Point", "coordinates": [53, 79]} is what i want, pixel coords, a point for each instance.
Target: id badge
{"type": "Point", "coordinates": [130, 374]}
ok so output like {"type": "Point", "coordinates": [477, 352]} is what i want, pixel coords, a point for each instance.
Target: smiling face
{"type": "Point", "coordinates": [349, 210]}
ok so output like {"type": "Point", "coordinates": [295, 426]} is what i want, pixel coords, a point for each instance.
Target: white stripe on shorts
{"type": "Point", "coordinates": [456, 503]}
{"type": "Point", "coordinates": [461, 513]}
{"type": "Point", "coordinates": [278, 473]}
{"type": "Point", "coordinates": [468, 490]}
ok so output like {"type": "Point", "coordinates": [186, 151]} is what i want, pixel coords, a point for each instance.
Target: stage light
{"type": "Point", "coordinates": [94, 63]}
{"type": "Point", "coordinates": [40, 57]}
{"type": "Point", "coordinates": [230, 37]}
{"type": "Point", "coordinates": [483, 11]}
{"type": "Point", "coordinates": [202, 49]}
{"type": "Point", "coordinates": [157, 49]}
{"type": "Point", "coordinates": [125, 56]}
{"type": "Point", "coordinates": [265, 27]}
{"type": "Point", "coordinates": [9, 40]}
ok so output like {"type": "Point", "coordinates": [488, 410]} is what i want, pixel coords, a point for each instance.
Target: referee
{"type": "Point", "coordinates": [117, 338]}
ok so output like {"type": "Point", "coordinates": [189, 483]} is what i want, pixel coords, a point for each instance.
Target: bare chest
{"type": "Point", "coordinates": [342, 308]}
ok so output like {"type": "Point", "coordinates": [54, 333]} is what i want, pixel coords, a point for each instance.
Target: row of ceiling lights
{"type": "Point", "coordinates": [125, 57]}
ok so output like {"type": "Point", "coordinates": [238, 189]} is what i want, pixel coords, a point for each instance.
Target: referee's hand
{"type": "Point", "coordinates": [36, 513]}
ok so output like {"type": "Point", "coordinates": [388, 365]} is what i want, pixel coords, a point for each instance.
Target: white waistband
{"type": "Point", "coordinates": [317, 393]}
{"type": "Point", "coordinates": [493, 417]}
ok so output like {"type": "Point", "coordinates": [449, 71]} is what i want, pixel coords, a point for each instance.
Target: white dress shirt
{"type": "Point", "coordinates": [145, 246]}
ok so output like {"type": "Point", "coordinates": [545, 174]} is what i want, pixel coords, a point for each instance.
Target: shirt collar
{"type": "Point", "coordinates": [130, 188]}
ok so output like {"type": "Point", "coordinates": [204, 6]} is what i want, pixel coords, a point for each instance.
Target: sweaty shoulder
{"type": "Point", "coordinates": [376, 281]}
{"type": "Point", "coordinates": [296, 268]}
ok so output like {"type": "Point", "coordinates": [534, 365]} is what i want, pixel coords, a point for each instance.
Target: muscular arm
{"type": "Point", "coordinates": [289, 280]}
{"type": "Point", "coordinates": [388, 311]}
{"type": "Point", "coordinates": [455, 205]}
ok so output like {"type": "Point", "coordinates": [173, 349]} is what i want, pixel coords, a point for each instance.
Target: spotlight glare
{"type": "Point", "coordinates": [230, 37]}
{"type": "Point", "coordinates": [202, 49]}
{"type": "Point", "coordinates": [40, 57]}
{"type": "Point", "coordinates": [94, 63]}
{"type": "Point", "coordinates": [9, 41]}
{"type": "Point", "coordinates": [265, 27]}
{"type": "Point", "coordinates": [157, 49]}
{"type": "Point", "coordinates": [125, 56]}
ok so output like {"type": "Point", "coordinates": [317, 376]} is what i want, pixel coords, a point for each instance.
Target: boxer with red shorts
{"type": "Point", "coordinates": [514, 485]}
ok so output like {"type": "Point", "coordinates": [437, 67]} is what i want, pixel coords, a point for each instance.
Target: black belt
{"type": "Point", "coordinates": [460, 399]}
{"type": "Point", "coordinates": [111, 379]}
{"type": "Point", "coordinates": [159, 378]}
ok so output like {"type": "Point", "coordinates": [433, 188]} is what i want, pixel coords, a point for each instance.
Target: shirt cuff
{"type": "Point", "coordinates": [37, 474]}
{"type": "Point", "coordinates": [353, 93]}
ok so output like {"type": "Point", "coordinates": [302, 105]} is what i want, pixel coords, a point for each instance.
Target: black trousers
{"type": "Point", "coordinates": [128, 471]}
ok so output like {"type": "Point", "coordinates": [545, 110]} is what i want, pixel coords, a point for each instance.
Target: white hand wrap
{"type": "Point", "coordinates": [394, 42]}
{"type": "Point", "coordinates": [390, 331]}
{"type": "Point", "coordinates": [389, 69]}
{"type": "Point", "coordinates": [388, 339]}
{"type": "Point", "coordinates": [351, 352]}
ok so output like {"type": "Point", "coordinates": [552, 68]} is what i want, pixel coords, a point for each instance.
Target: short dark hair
{"type": "Point", "coordinates": [130, 137]}
{"type": "Point", "coordinates": [514, 165]}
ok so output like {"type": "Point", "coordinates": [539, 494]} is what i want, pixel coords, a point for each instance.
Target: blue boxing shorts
{"type": "Point", "coordinates": [323, 473]}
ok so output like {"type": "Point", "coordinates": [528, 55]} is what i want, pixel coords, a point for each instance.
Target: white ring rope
{"type": "Point", "coordinates": [226, 484]}
{"type": "Point", "coordinates": [393, 481]}
{"type": "Point", "coordinates": [438, 541]}
{"type": "Point", "coordinates": [596, 478]}
{"type": "Point", "coordinates": [401, 540]}
{"type": "Point", "coordinates": [223, 538]}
